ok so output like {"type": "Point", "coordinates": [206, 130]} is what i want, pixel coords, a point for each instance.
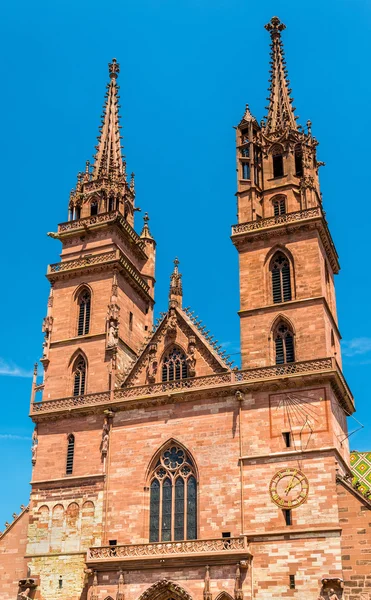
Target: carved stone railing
{"type": "Point", "coordinates": [275, 372]}
{"type": "Point", "coordinates": [210, 550]}
{"type": "Point", "coordinates": [70, 226]}
{"type": "Point", "coordinates": [300, 215]}
{"type": "Point", "coordinates": [84, 261]}
{"type": "Point", "coordinates": [71, 402]}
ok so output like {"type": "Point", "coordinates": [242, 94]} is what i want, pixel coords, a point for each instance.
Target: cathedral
{"type": "Point", "coordinates": [160, 471]}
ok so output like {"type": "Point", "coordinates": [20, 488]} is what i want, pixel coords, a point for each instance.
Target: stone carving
{"type": "Point", "coordinates": [238, 593]}
{"type": "Point", "coordinates": [191, 357]}
{"type": "Point", "coordinates": [172, 323]}
{"type": "Point", "coordinates": [332, 589]}
{"type": "Point", "coordinates": [94, 589]}
{"type": "Point", "coordinates": [34, 446]}
{"type": "Point", "coordinates": [105, 437]}
{"type": "Point", "coordinates": [25, 594]}
{"type": "Point", "coordinates": [152, 366]}
{"type": "Point", "coordinates": [120, 586]}
{"type": "Point", "coordinates": [112, 333]}
{"type": "Point", "coordinates": [207, 593]}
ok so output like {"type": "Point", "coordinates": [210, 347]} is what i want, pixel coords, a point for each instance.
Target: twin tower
{"type": "Point", "coordinates": [159, 470]}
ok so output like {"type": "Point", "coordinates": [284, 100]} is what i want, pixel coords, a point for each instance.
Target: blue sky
{"type": "Point", "coordinates": [187, 70]}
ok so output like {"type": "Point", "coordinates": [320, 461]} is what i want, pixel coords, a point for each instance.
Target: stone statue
{"type": "Point", "coordinates": [105, 444]}
{"type": "Point", "coordinates": [24, 594]}
{"type": "Point", "coordinates": [332, 595]}
{"type": "Point", "coordinates": [112, 338]}
{"type": "Point", "coordinates": [191, 360]}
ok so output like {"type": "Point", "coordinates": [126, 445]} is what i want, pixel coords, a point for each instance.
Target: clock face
{"type": "Point", "coordinates": [289, 488]}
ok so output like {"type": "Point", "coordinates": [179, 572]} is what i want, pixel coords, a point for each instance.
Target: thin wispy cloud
{"type": "Point", "coordinates": [356, 346]}
{"type": "Point", "coordinates": [11, 436]}
{"type": "Point", "coordinates": [11, 370]}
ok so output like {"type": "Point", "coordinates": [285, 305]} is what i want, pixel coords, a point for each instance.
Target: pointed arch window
{"type": "Point", "coordinates": [279, 206]}
{"type": "Point", "coordinates": [173, 497]}
{"type": "Point", "coordinates": [94, 208]}
{"type": "Point", "coordinates": [111, 203]}
{"type": "Point", "coordinates": [174, 365]}
{"type": "Point", "coordinates": [70, 454]}
{"type": "Point", "coordinates": [77, 212]}
{"type": "Point", "coordinates": [84, 312]}
{"type": "Point", "coordinates": [281, 278]}
{"type": "Point", "coordinates": [79, 376]}
{"type": "Point", "coordinates": [284, 344]}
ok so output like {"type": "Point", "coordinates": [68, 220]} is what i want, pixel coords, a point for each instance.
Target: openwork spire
{"type": "Point", "coordinates": [280, 110]}
{"type": "Point", "coordinates": [108, 159]}
{"type": "Point", "coordinates": [176, 289]}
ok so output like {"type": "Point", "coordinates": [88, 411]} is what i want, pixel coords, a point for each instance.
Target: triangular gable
{"type": "Point", "coordinates": [176, 329]}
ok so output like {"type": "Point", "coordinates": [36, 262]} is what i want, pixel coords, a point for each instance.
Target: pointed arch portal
{"type": "Point", "coordinates": [165, 590]}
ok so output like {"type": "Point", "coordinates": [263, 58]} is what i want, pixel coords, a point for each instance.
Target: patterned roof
{"type": "Point", "coordinates": [360, 464]}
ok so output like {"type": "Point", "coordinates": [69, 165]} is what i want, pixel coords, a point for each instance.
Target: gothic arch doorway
{"type": "Point", "coordinates": [165, 590]}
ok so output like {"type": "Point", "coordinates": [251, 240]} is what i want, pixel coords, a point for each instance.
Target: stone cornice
{"type": "Point", "coordinates": [219, 385]}
{"type": "Point", "coordinates": [103, 261]}
{"type": "Point", "coordinates": [270, 227]}
{"type": "Point", "coordinates": [68, 481]}
{"type": "Point", "coordinates": [292, 304]}
{"type": "Point", "coordinates": [82, 226]}
{"type": "Point", "coordinates": [295, 454]}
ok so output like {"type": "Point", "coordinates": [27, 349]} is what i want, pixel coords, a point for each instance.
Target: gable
{"type": "Point", "coordinates": [176, 332]}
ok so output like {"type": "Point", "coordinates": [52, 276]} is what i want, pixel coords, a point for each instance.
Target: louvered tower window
{"type": "Point", "coordinates": [298, 161]}
{"type": "Point", "coordinates": [70, 454]}
{"type": "Point", "coordinates": [174, 365]}
{"type": "Point", "coordinates": [284, 344]}
{"type": "Point", "coordinates": [84, 313]}
{"type": "Point", "coordinates": [173, 497]}
{"type": "Point", "coordinates": [281, 278]}
{"type": "Point", "coordinates": [279, 206]}
{"type": "Point", "coordinates": [79, 377]}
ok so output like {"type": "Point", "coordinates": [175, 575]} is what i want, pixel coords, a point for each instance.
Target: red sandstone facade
{"type": "Point", "coordinates": [159, 470]}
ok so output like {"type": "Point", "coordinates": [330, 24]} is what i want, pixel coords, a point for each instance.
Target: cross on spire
{"type": "Point", "coordinates": [280, 110]}
{"type": "Point", "coordinates": [108, 159]}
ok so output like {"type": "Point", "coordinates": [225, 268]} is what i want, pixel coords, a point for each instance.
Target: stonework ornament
{"type": "Point", "coordinates": [191, 357]}
{"type": "Point", "coordinates": [152, 366]}
{"type": "Point", "coordinates": [34, 446]}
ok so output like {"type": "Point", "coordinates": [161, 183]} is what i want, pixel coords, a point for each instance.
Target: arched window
{"type": "Point", "coordinates": [111, 203]}
{"type": "Point", "coordinates": [281, 279]}
{"type": "Point", "coordinates": [94, 208]}
{"type": "Point", "coordinates": [70, 212]}
{"type": "Point", "coordinates": [277, 158]}
{"type": "Point", "coordinates": [79, 376]}
{"type": "Point", "coordinates": [174, 365]}
{"type": "Point", "coordinates": [173, 497]}
{"type": "Point", "coordinates": [77, 212]}
{"type": "Point", "coordinates": [70, 454]}
{"type": "Point", "coordinates": [84, 312]}
{"type": "Point", "coordinates": [279, 206]}
{"type": "Point", "coordinates": [284, 344]}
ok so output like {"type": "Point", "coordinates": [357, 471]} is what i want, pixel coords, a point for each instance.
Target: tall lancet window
{"type": "Point", "coordinates": [173, 497]}
{"type": "Point", "coordinates": [284, 344]}
{"type": "Point", "coordinates": [281, 278]}
{"type": "Point", "coordinates": [174, 365]}
{"type": "Point", "coordinates": [79, 376]}
{"type": "Point", "coordinates": [70, 454]}
{"type": "Point", "coordinates": [84, 303]}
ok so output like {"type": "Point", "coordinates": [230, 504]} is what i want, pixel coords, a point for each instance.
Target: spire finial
{"type": "Point", "coordinates": [280, 110]}
{"type": "Point", "coordinates": [113, 69]}
{"type": "Point", "coordinates": [176, 289]}
{"type": "Point", "coordinates": [146, 234]}
{"type": "Point", "coordinates": [275, 26]}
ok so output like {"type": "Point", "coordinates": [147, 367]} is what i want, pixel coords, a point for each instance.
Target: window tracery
{"type": "Point", "coordinates": [284, 344]}
{"type": "Point", "coordinates": [174, 365]}
{"type": "Point", "coordinates": [79, 376]}
{"type": "Point", "coordinates": [173, 497]}
{"type": "Point", "coordinates": [84, 302]}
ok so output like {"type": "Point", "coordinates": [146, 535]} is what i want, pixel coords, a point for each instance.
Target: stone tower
{"type": "Point", "coordinates": [102, 292]}
{"type": "Point", "coordinates": [161, 472]}
{"type": "Point", "coordinates": [286, 254]}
